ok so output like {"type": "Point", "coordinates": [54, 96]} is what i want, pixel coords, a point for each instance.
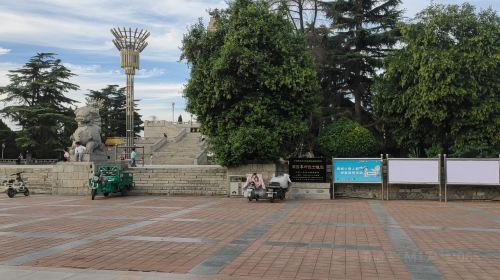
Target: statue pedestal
{"type": "Point", "coordinates": [96, 157]}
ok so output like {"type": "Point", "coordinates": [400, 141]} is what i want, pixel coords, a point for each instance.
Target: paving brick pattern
{"type": "Point", "coordinates": [460, 240]}
{"type": "Point", "coordinates": [221, 238]}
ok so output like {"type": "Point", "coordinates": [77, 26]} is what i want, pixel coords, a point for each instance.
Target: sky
{"type": "Point", "coordinates": [79, 33]}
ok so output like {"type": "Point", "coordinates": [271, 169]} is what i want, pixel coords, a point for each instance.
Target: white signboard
{"type": "Point", "coordinates": [474, 172]}
{"type": "Point", "coordinates": [414, 171]}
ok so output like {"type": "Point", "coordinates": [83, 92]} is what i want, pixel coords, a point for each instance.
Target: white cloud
{"type": "Point", "coordinates": [4, 70]}
{"type": "Point", "coordinates": [150, 73]}
{"type": "Point", "coordinates": [4, 51]}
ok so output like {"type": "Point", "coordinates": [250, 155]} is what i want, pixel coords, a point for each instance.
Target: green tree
{"type": "Point", "coordinates": [252, 83]}
{"type": "Point", "coordinates": [441, 91]}
{"type": "Point", "coordinates": [347, 138]}
{"type": "Point", "coordinates": [361, 34]}
{"type": "Point", "coordinates": [113, 111]}
{"type": "Point", "coordinates": [42, 110]}
{"type": "Point", "coordinates": [7, 137]}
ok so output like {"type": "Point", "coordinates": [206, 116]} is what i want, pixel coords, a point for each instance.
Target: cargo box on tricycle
{"type": "Point", "coordinates": [110, 178]}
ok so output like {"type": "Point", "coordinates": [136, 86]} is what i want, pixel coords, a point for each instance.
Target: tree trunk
{"type": "Point", "coordinates": [357, 108]}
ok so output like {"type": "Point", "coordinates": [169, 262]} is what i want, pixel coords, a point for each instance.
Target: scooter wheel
{"type": "Point", "coordinates": [26, 192]}
{"type": "Point", "coordinates": [94, 192]}
{"type": "Point", "coordinates": [252, 196]}
{"type": "Point", "coordinates": [11, 192]}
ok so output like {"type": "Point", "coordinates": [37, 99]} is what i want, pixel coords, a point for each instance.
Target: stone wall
{"type": "Point", "coordinates": [309, 191]}
{"type": "Point", "coordinates": [39, 178]}
{"type": "Point", "coordinates": [267, 170]}
{"type": "Point", "coordinates": [373, 191]}
{"type": "Point", "coordinates": [181, 180]}
{"type": "Point", "coordinates": [70, 178]}
{"type": "Point", "coordinates": [417, 192]}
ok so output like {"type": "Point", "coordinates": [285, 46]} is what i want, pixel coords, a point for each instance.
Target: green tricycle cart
{"type": "Point", "coordinates": [110, 178]}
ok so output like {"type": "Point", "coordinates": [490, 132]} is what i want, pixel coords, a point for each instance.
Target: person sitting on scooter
{"type": "Point", "coordinates": [256, 180]}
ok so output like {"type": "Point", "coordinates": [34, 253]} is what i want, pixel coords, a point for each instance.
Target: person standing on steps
{"type": "Point", "coordinates": [133, 156]}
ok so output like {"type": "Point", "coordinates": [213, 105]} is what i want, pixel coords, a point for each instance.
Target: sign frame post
{"type": "Point", "coordinates": [382, 174]}
{"type": "Point", "coordinates": [333, 178]}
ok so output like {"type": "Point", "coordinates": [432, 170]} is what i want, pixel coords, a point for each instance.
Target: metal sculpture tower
{"type": "Point", "coordinates": [130, 43]}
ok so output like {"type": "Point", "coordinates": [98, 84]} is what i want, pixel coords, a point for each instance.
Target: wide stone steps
{"type": "Point", "coordinates": [174, 155]}
{"type": "Point", "coordinates": [173, 160]}
{"type": "Point", "coordinates": [183, 152]}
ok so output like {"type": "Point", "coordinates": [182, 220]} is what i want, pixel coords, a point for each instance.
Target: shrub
{"type": "Point", "coordinates": [347, 138]}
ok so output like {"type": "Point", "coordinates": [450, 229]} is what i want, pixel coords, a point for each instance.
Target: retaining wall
{"type": "Point", "coordinates": [181, 180]}
{"type": "Point", "coordinates": [70, 178]}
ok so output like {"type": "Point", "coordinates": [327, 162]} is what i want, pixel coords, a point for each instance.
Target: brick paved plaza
{"type": "Point", "coordinates": [151, 237]}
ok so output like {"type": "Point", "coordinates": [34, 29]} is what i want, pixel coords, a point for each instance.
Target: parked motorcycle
{"type": "Point", "coordinates": [15, 186]}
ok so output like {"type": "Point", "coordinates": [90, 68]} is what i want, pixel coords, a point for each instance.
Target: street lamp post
{"type": "Point", "coordinates": [173, 117]}
{"type": "Point", "coordinates": [3, 148]}
{"type": "Point", "coordinates": [130, 43]}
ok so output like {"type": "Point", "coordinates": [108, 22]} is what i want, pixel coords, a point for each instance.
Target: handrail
{"type": "Point", "coordinates": [201, 157]}
{"type": "Point", "coordinates": [180, 135]}
{"type": "Point", "coordinates": [28, 162]}
{"type": "Point", "coordinates": [164, 140]}
{"type": "Point", "coordinates": [160, 143]}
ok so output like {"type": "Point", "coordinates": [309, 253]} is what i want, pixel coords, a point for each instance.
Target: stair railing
{"type": "Point", "coordinates": [180, 135]}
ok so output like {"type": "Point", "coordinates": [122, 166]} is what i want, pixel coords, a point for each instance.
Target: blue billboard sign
{"type": "Point", "coordinates": [357, 171]}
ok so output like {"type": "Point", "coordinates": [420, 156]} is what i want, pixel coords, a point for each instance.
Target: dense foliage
{"type": "Point", "coordinates": [441, 92]}
{"type": "Point", "coordinates": [7, 137]}
{"type": "Point", "coordinates": [347, 138]}
{"type": "Point", "coordinates": [112, 109]}
{"type": "Point", "coordinates": [37, 103]}
{"type": "Point", "coordinates": [252, 83]}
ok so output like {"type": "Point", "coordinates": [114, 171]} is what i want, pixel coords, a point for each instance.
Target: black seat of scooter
{"type": "Point", "coordinates": [12, 181]}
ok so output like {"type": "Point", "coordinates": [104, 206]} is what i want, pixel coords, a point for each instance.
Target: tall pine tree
{"type": "Point", "coordinates": [361, 34]}
{"type": "Point", "coordinates": [42, 110]}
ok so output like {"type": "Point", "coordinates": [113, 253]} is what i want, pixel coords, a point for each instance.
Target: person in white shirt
{"type": "Point", "coordinates": [79, 151]}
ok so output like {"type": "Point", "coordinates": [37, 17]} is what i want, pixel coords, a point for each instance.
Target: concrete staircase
{"type": "Point", "coordinates": [183, 152]}
{"type": "Point", "coordinates": [181, 180]}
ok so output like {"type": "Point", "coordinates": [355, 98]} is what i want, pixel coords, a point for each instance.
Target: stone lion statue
{"type": "Point", "coordinates": [88, 132]}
